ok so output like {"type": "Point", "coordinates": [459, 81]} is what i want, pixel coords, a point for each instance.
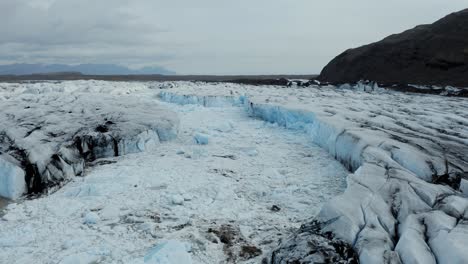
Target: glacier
{"type": "Point", "coordinates": [230, 200]}
{"type": "Point", "coordinates": [406, 199]}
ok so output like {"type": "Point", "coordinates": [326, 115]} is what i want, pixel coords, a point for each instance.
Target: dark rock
{"type": "Point", "coordinates": [435, 54]}
{"type": "Point", "coordinates": [181, 226]}
{"type": "Point", "coordinates": [155, 217]}
{"type": "Point", "coordinates": [102, 129]}
{"type": "Point", "coordinates": [235, 245]}
{"type": "Point", "coordinates": [227, 234]}
{"type": "Point", "coordinates": [248, 252]}
{"type": "Point", "coordinates": [233, 157]}
{"type": "Point", "coordinates": [310, 245]}
{"type": "Point", "coordinates": [101, 162]}
{"type": "Point", "coordinates": [275, 208]}
{"type": "Point", "coordinates": [450, 179]}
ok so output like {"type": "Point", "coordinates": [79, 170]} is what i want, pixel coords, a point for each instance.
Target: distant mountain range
{"type": "Point", "coordinates": [88, 69]}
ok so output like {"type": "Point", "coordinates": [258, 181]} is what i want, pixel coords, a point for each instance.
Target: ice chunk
{"type": "Point", "coordinates": [147, 227]}
{"type": "Point", "coordinates": [464, 187]}
{"type": "Point", "coordinates": [110, 213]}
{"type": "Point", "coordinates": [252, 152]}
{"type": "Point", "coordinates": [80, 258]}
{"type": "Point", "coordinates": [412, 247]}
{"type": "Point", "coordinates": [449, 246]}
{"type": "Point", "coordinates": [177, 199]}
{"type": "Point", "coordinates": [169, 252]}
{"type": "Point", "coordinates": [201, 139]}
{"type": "Point", "coordinates": [85, 190]}
{"type": "Point", "coordinates": [91, 218]}
{"type": "Point", "coordinates": [12, 184]}
{"type": "Point", "coordinates": [224, 127]}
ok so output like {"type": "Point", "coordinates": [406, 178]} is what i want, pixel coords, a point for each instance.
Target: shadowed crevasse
{"type": "Point", "coordinates": [68, 162]}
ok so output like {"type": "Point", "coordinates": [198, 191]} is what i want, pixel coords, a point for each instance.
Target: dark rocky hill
{"type": "Point", "coordinates": [435, 54]}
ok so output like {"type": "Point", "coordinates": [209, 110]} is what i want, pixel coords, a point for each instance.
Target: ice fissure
{"type": "Point", "coordinates": [71, 159]}
{"type": "Point", "coordinates": [47, 139]}
{"type": "Point", "coordinates": [397, 181]}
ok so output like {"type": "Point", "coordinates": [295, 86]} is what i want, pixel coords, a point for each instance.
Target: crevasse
{"type": "Point", "coordinates": [392, 192]}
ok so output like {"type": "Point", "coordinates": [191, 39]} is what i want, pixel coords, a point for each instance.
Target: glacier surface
{"type": "Point", "coordinates": [406, 199]}
{"type": "Point", "coordinates": [231, 200]}
{"type": "Point", "coordinates": [48, 131]}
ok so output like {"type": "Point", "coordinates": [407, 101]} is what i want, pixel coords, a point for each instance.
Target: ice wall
{"type": "Point", "coordinates": [404, 200]}
{"type": "Point", "coordinates": [208, 101]}
{"type": "Point", "coordinates": [12, 181]}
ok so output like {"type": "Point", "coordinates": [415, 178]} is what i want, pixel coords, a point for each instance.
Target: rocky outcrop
{"type": "Point", "coordinates": [435, 54]}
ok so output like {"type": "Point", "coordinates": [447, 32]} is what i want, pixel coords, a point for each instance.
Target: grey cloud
{"type": "Point", "coordinates": [205, 36]}
{"type": "Point", "coordinates": [85, 31]}
{"type": "Point", "coordinates": [74, 22]}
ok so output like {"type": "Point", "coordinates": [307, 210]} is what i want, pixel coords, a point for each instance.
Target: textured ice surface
{"type": "Point", "coordinates": [409, 155]}
{"type": "Point", "coordinates": [48, 131]}
{"type": "Point", "coordinates": [254, 183]}
{"type": "Point", "coordinates": [232, 200]}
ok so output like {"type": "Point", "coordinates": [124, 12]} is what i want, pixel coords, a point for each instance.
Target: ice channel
{"type": "Point", "coordinates": [249, 185]}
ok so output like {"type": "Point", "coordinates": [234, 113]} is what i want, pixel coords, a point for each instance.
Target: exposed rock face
{"type": "Point", "coordinates": [435, 54]}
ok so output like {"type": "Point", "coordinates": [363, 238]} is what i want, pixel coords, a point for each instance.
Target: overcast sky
{"type": "Point", "coordinates": [204, 36]}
